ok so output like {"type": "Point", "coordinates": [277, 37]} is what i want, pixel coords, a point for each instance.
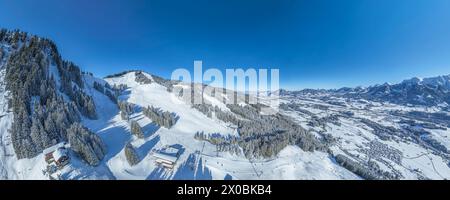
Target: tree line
{"type": "Point", "coordinates": [162, 118]}
{"type": "Point", "coordinates": [262, 136]}
{"type": "Point", "coordinates": [111, 92]}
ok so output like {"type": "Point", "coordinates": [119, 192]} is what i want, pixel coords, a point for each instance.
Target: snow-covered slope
{"type": "Point", "coordinates": [403, 142]}
{"type": "Point", "coordinates": [199, 160]}
{"type": "Point", "coordinates": [5, 123]}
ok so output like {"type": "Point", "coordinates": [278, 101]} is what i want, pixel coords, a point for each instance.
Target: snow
{"type": "Point", "coordinates": [5, 123]}
{"type": "Point", "coordinates": [53, 70]}
{"type": "Point", "coordinates": [200, 160]}
{"type": "Point", "coordinates": [442, 136]}
{"type": "Point", "coordinates": [170, 158]}
{"type": "Point", "coordinates": [292, 163]}
{"type": "Point", "coordinates": [353, 136]}
{"type": "Point", "coordinates": [59, 153]}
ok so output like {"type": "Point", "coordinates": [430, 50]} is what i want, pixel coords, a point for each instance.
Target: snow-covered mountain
{"type": "Point", "coordinates": [135, 125]}
{"type": "Point", "coordinates": [434, 91]}
{"type": "Point", "coordinates": [429, 91]}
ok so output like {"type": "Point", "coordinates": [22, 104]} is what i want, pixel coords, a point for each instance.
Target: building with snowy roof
{"type": "Point", "coordinates": [167, 156]}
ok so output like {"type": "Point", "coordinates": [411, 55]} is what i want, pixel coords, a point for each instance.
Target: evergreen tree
{"type": "Point", "coordinates": [99, 87]}
{"type": "Point", "coordinates": [88, 145]}
{"type": "Point", "coordinates": [165, 119]}
{"type": "Point", "coordinates": [131, 155]}
{"type": "Point", "coordinates": [136, 129]}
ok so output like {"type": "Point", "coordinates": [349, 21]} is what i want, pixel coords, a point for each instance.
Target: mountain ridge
{"type": "Point", "coordinates": [432, 91]}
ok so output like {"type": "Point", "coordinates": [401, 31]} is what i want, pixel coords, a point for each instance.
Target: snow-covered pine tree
{"type": "Point", "coordinates": [131, 154]}
{"type": "Point", "coordinates": [87, 144]}
{"type": "Point", "coordinates": [136, 129]}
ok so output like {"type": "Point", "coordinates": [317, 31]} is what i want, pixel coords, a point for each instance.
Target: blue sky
{"type": "Point", "coordinates": [315, 44]}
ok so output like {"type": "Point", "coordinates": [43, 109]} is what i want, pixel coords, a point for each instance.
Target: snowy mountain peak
{"type": "Point", "coordinates": [414, 80]}
{"type": "Point", "coordinates": [438, 81]}
{"type": "Point", "coordinates": [443, 81]}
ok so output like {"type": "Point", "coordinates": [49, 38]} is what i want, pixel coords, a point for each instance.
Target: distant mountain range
{"type": "Point", "coordinates": [434, 91]}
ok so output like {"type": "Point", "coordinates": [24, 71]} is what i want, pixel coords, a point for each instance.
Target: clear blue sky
{"type": "Point", "coordinates": [314, 43]}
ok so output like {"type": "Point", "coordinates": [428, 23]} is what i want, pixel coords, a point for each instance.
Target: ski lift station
{"type": "Point", "coordinates": [167, 156]}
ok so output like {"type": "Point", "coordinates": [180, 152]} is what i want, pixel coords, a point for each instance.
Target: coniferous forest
{"type": "Point", "coordinates": [42, 116]}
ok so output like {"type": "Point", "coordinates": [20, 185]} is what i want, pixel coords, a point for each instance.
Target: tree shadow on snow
{"type": "Point", "coordinates": [115, 139]}
{"type": "Point", "coordinates": [150, 129]}
{"type": "Point", "coordinates": [137, 117]}
{"type": "Point", "coordinates": [159, 174]}
{"type": "Point", "coordinates": [191, 171]}
{"type": "Point", "coordinates": [144, 149]}
{"type": "Point", "coordinates": [80, 170]}
{"type": "Point", "coordinates": [137, 109]}
{"type": "Point", "coordinates": [228, 177]}
{"type": "Point", "coordinates": [125, 95]}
